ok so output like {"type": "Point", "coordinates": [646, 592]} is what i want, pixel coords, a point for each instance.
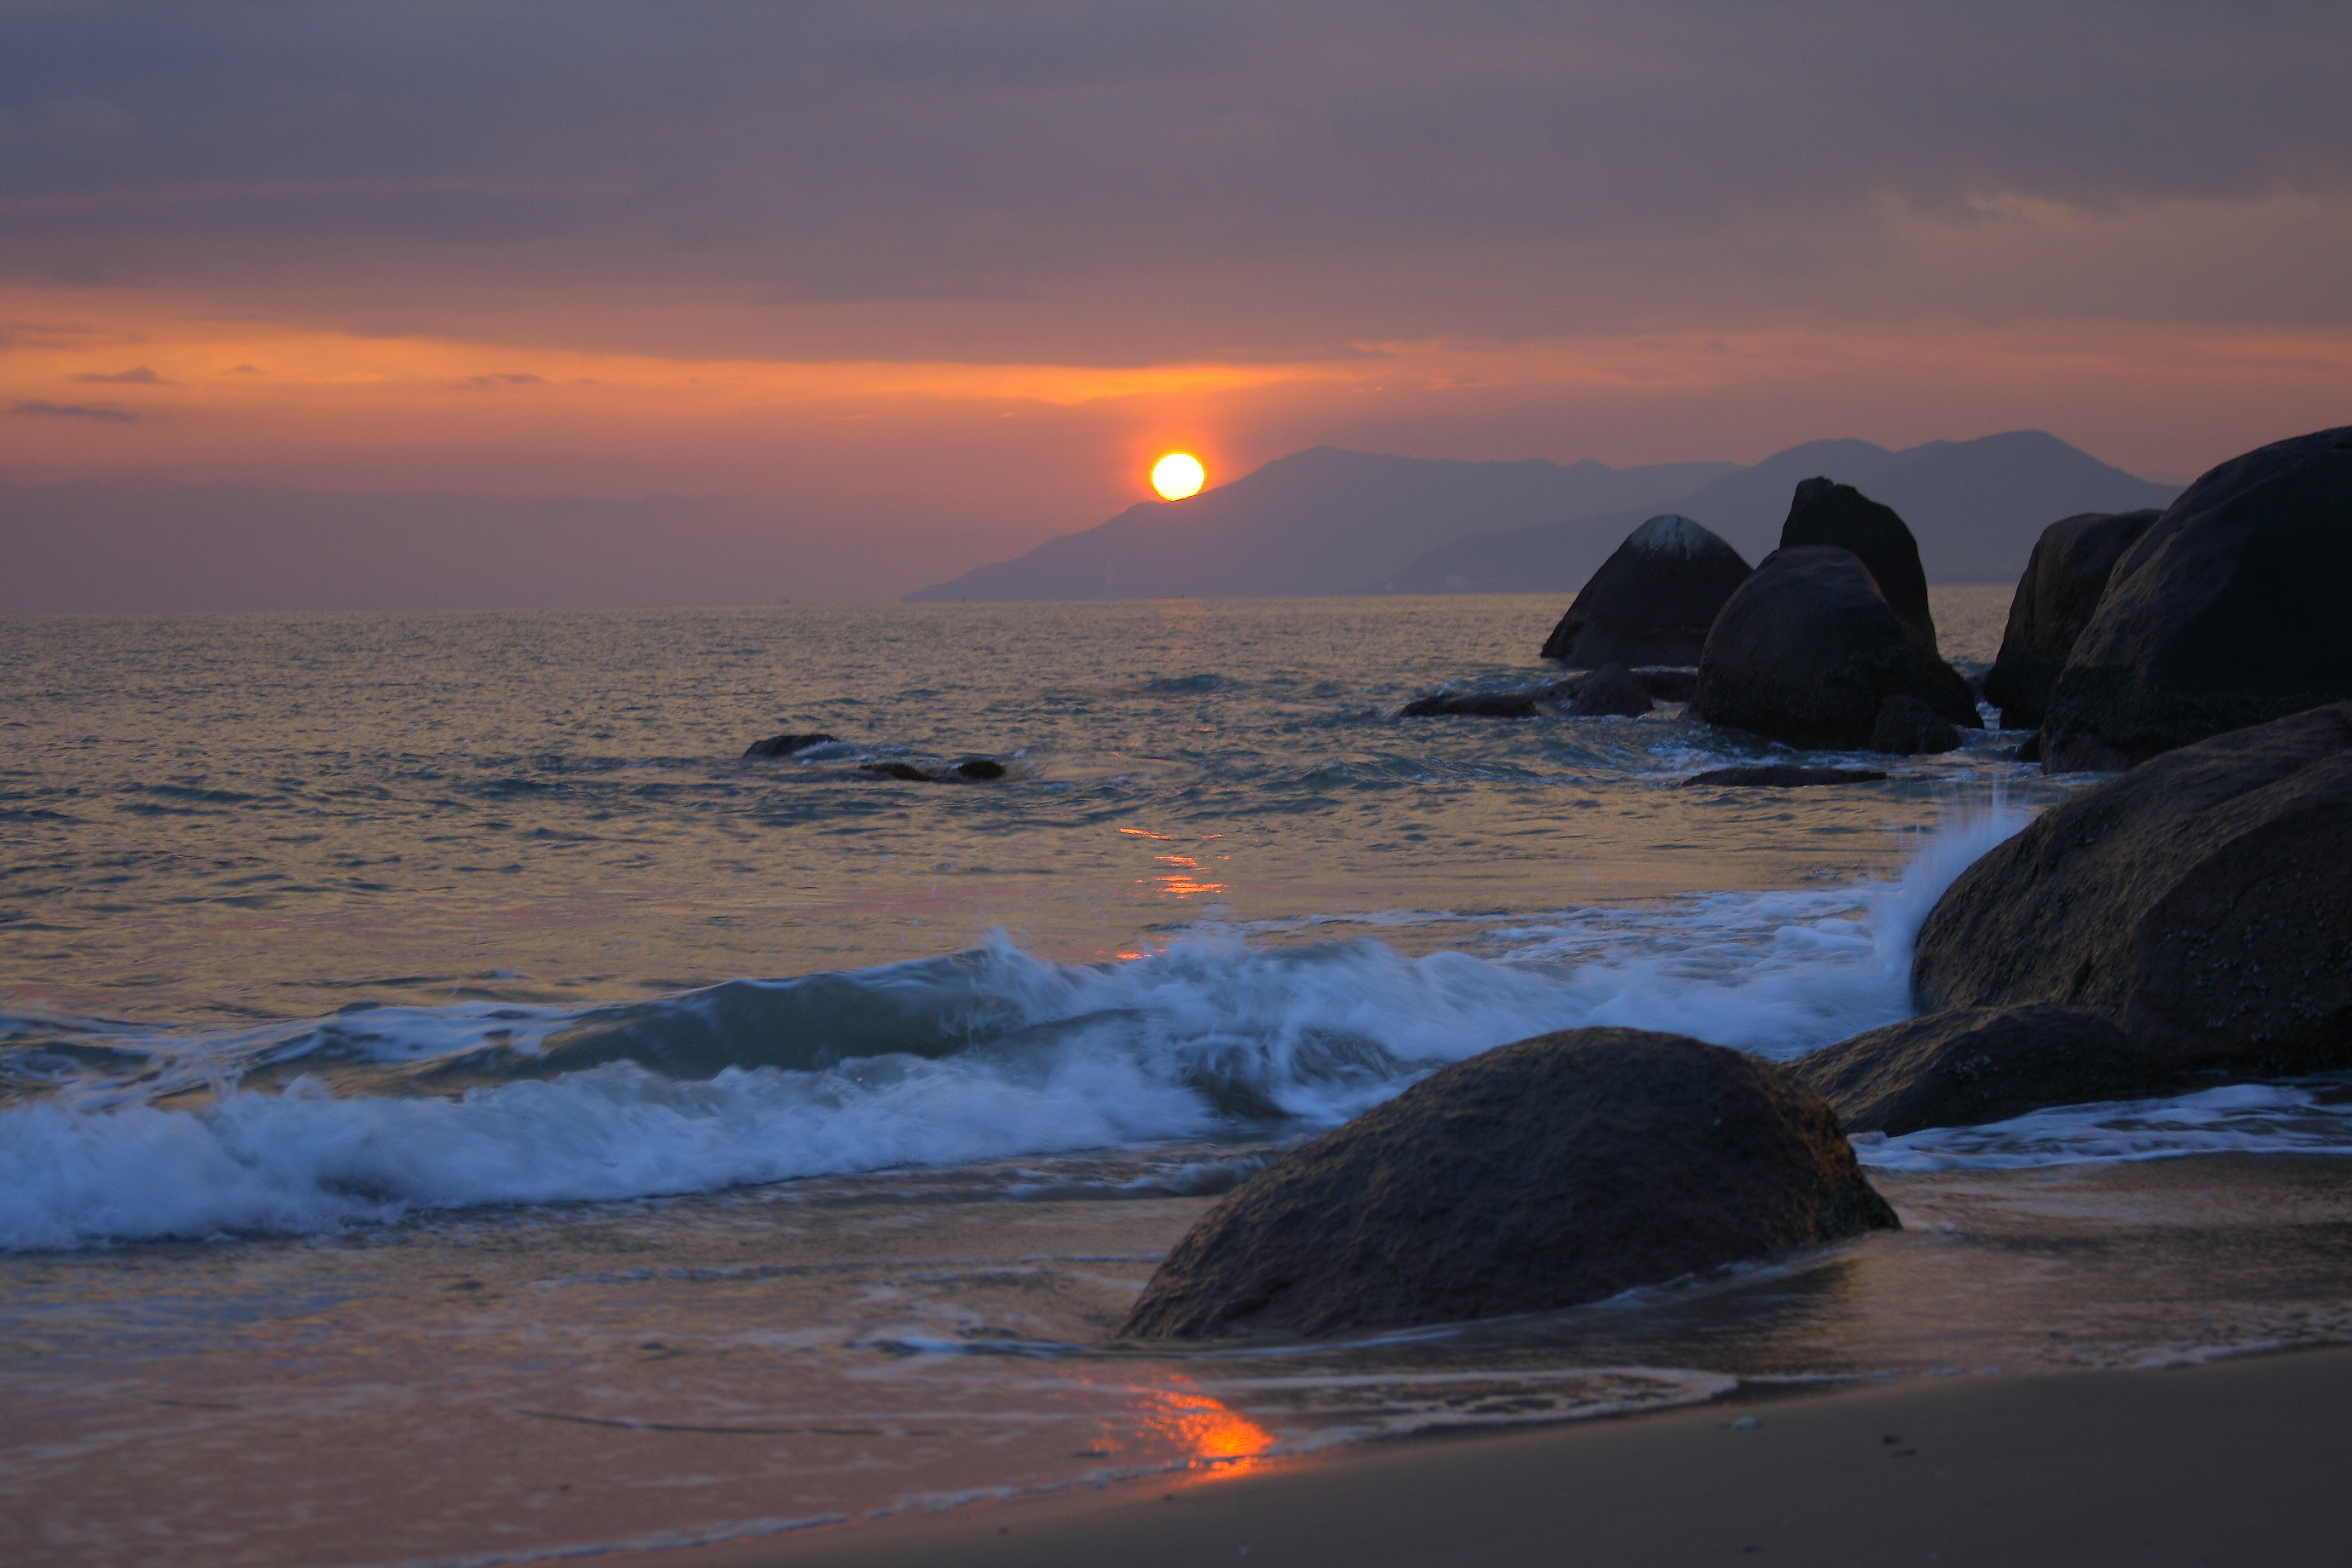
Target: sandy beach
{"type": "Point", "coordinates": [2235, 1462]}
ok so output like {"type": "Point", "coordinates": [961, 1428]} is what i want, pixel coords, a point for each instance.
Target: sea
{"type": "Point", "coordinates": [457, 1108]}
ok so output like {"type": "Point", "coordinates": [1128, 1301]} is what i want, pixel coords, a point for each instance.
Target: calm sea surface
{"type": "Point", "coordinates": [453, 1107]}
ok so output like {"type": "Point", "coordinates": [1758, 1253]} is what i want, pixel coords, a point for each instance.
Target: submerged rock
{"type": "Point", "coordinates": [969, 768]}
{"type": "Point", "coordinates": [785, 745]}
{"type": "Point", "coordinates": [1609, 692]}
{"type": "Point", "coordinates": [1975, 1065]}
{"type": "Point", "coordinates": [2202, 900]}
{"type": "Point", "coordinates": [980, 768]}
{"type": "Point", "coordinates": [1906, 727]}
{"type": "Point", "coordinates": [1558, 1170]}
{"type": "Point", "coordinates": [1807, 650]}
{"type": "Point", "coordinates": [2064, 578]}
{"type": "Point", "coordinates": [2228, 610]}
{"type": "Point", "coordinates": [1826, 513]}
{"type": "Point", "coordinates": [1651, 601]}
{"type": "Point", "coordinates": [1781, 775]}
{"type": "Point", "coordinates": [906, 770]}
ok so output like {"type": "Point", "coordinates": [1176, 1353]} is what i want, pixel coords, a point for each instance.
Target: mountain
{"type": "Point", "coordinates": [1315, 522]}
{"type": "Point", "coordinates": [1975, 507]}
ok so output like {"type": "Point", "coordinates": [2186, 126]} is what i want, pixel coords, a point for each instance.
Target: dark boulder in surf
{"type": "Point", "coordinates": [1651, 601]}
{"type": "Point", "coordinates": [1560, 1170]}
{"type": "Point", "coordinates": [785, 745]}
{"type": "Point", "coordinates": [1906, 727]}
{"type": "Point", "coordinates": [2229, 610]}
{"type": "Point", "coordinates": [1780, 775]}
{"type": "Point", "coordinates": [1826, 513]}
{"type": "Point", "coordinates": [2202, 900]}
{"type": "Point", "coordinates": [1975, 1065]}
{"type": "Point", "coordinates": [1608, 692]}
{"type": "Point", "coordinates": [2063, 580]}
{"type": "Point", "coordinates": [1807, 650]}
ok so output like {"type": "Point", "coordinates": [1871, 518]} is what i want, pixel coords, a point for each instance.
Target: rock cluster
{"type": "Point", "coordinates": [1807, 650]}
{"type": "Point", "coordinates": [2227, 611]}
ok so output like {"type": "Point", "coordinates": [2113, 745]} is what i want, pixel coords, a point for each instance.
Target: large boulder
{"type": "Point", "coordinates": [1562, 1169]}
{"type": "Point", "coordinates": [2228, 610]}
{"type": "Point", "coordinates": [1652, 602]}
{"type": "Point", "coordinates": [1973, 1065]}
{"type": "Point", "coordinates": [1826, 513]}
{"type": "Point", "coordinates": [2064, 579]}
{"type": "Point", "coordinates": [1807, 650]}
{"type": "Point", "coordinates": [2203, 900]}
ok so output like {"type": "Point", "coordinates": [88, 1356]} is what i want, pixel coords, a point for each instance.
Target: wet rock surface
{"type": "Point", "coordinates": [1807, 650]}
{"type": "Point", "coordinates": [2064, 579]}
{"type": "Point", "coordinates": [2202, 900]}
{"type": "Point", "coordinates": [1975, 1065]}
{"type": "Point", "coordinates": [2228, 610]}
{"type": "Point", "coordinates": [1651, 601]}
{"type": "Point", "coordinates": [1558, 1170]}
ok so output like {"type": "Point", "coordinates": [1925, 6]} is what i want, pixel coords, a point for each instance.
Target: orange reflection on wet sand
{"type": "Point", "coordinates": [1210, 1438]}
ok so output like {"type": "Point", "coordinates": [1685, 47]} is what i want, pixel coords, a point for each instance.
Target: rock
{"type": "Point", "coordinates": [1826, 513]}
{"type": "Point", "coordinates": [1609, 692]}
{"type": "Point", "coordinates": [785, 745]}
{"type": "Point", "coordinates": [1974, 1065]}
{"type": "Point", "coordinates": [1558, 1170]}
{"type": "Point", "coordinates": [906, 770]}
{"type": "Point", "coordinates": [1780, 776]}
{"type": "Point", "coordinates": [2203, 900]}
{"type": "Point", "coordinates": [980, 768]}
{"type": "Point", "coordinates": [1667, 683]}
{"type": "Point", "coordinates": [2064, 579]}
{"type": "Point", "coordinates": [1652, 602]}
{"type": "Point", "coordinates": [1478, 704]}
{"type": "Point", "coordinates": [1906, 727]}
{"type": "Point", "coordinates": [1807, 650]}
{"type": "Point", "coordinates": [2228, 610]}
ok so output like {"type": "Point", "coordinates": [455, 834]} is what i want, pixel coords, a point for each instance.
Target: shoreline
{"type": "Point", "coordinates": [2230, 1461]}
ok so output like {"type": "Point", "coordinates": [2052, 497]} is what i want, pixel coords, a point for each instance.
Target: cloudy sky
{"type": "Point", "coordinates": [919, 285]}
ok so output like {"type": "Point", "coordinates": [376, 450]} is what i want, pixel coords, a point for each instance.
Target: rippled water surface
{"type": "Point", "coordinates": [454, 1106]}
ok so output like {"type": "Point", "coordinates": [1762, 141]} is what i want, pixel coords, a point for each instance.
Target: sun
{"type": "Point", "coordinates": [1178, 475]}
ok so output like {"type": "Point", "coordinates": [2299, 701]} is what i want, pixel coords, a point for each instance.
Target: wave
{"type": "Point", "coordinates": [377, 1111]}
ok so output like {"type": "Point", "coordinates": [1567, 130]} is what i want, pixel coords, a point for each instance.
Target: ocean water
{"type": "Point", "coordinates": [454, 1107]}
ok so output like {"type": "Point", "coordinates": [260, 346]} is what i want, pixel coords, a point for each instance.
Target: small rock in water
{"type": "Point", "coordinates": [1781, 775]}
{"type": "Point", "coordinates": [980, 768]}
{"type": "Point", "coordinates": [1609, 692]}
{"type": "Point", "coordinates": [906, 770]}
{"type": "Point", "coordinates": [785, 745]}
{"type": "Point", "coordinates": [1907, 727]}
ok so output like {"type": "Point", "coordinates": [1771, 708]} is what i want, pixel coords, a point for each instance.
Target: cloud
{"type": "Point", "coordinates": [1012, 156]}
{"type": "Point", "coordinates": [138, 375]}
{"type": "Point", "coordinates": [106, 411]}
{"type": "Point", "coordinates": [524, 379]}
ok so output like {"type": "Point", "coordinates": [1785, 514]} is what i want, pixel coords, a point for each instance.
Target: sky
{"type": "Point", "coordinates": [901, 289]}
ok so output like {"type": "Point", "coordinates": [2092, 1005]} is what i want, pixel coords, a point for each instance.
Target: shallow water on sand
{"type": "Point", "coordinates": [454, 1108]}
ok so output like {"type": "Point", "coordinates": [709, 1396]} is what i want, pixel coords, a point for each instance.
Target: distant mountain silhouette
{"type": "Point", "coordinates": [1314, 522]}
{"type": "Point", "coordinates": [1976, 507]}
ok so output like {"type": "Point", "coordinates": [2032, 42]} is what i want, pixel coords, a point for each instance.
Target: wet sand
{"type": "Point", "coordinates": [2235, 1462]}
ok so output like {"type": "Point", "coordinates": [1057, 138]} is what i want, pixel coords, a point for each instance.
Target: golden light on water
{"type": "Point", "coordinates": [1178, 475]}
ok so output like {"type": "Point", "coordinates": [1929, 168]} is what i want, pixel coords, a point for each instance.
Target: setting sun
{"type": "Point", "coordinates": [1177, 475]}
